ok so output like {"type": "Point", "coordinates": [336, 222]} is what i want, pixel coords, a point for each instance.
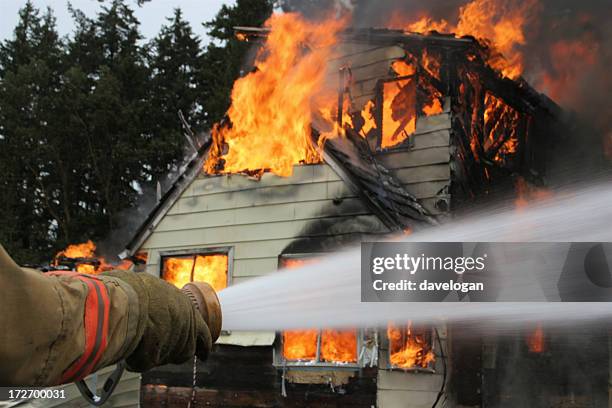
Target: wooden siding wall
{"type": "Point", "coordinates": [368, 64]}
{"type": "Point", "coordinates": [423, 166]}
{"type": "Point", "coordinates": [258, 218]}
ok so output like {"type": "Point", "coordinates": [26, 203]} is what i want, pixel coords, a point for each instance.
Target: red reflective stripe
{"type": "Point", "coordinates": [90, 320]}
{"type": "Point", "coordinates": [94, 332]}
{"type": "Point", "coordinates": [104, 334]}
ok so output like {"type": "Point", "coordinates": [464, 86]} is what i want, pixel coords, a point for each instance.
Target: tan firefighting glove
{"type": "Point", "coordinates": [170, 329]}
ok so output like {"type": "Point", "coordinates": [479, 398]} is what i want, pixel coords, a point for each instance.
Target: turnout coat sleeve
{"type": "Point", "coordinates": [58, 328]}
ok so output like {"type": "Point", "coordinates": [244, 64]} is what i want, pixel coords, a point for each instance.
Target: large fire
{"type": "Point", "coordinates": [337, 346]}
{"type": "Point", "coordinates": [83, 257]}
{"type": "Point", "coordinates": [268, 125]}
{"type": "Point", "coordinates": [409, 347]}
{"type": "Point", "coordinates": [269, 120]}
{"type": "Point", "coordinates": [211, 269]}
{"type": "Point", "coordinates": [300, 344]}
{"type": "Point", "coordinates": [274, 108]}
{"type": "Point", "coordinates": [499, 24]}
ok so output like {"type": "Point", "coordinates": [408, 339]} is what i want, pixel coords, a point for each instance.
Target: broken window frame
{"type": "Point", "coordinates": [378, 109]}
{"type": "Point", "coordinates": [522, 131]}
{"type": "Point", "coordinates": [379, 98]}
{"type": "Point", "coordinates": [387, 365]}
{"type": "Point", "coordinates": [279, 359]}
{"type": "Point", "coordinates": [194, 252]}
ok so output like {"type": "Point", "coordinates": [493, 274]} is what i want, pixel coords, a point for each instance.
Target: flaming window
{"type": "Point", "coordinates": [398, 111]}
{"type": "Point", "coordinates": [210, 266]}
{"type": "Point", "coordinates": [317, 347]}
{"type": "Point", "coordinates": [501, 129]}
{"type": "Point", "coordinates": [414, 90]}
{"type": "Point", "coordinates": [410, 348]}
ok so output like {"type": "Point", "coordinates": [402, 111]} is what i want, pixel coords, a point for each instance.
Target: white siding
{"type": "Point", "coordinates": [258, 219]}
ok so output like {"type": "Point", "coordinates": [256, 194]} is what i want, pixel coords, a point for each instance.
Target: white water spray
{"type": "Point", "coordinates": [328, 293]}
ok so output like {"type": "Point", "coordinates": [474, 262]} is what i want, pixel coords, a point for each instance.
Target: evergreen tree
{"type": "Point", "coordinates": [87, 121]}
{"type": "Point", "coordinates": [176, 64]}
{"type": "Point", "coordinates": [30, 120]}
{"type": "Point", "coordinates": [109, 72]}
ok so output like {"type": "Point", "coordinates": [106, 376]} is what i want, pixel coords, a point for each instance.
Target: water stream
{"type": "Point", "coordinates": [327, 294]}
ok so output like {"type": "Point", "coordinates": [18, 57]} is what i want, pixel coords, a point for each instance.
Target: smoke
{"type": "Point", "coordinates": [129, 220]}
{"type": "Point", "coordinates": [571, 369]}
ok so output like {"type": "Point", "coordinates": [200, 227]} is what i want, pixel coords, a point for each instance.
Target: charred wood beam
{"type": "Point", "coordinates": [516, 93]}
{"type": "Point", "coordinates": [435, 82]}
{"type": "Point", "coordinates": [188, 133]}
{"type": "Point", "coordinates": [376, 35]}
{"type": "Point", "coordinates": [261, 31]}
{"type": "Point", "coordinates": [73, 262]}
{"type": "Point", "coordinates": [388, 36]}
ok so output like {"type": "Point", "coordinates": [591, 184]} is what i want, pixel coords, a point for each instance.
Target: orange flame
{"type": "Point", "coordinates": [408, 347]}
{"type": "Point", "coordinates": [426, 24]}
{"type": "Point", "coordinates": [272, 107]}
{"type": "Point", "coordinates": [84, 250]}
{"type": "Point", "coordinates": [211, 269]}
{"type": "Point", "coordinates": [87, 250]}
{"type": "Point", "coordinates": [535, 340]}
{"type": "Point", "coordinates": [337, 346]}
{"type": "Point", "coordinates": [398, 111]}
{"type": "Point", "coordinates": [300, 344]}
{"type": "Point", "coordinates": [402, 68]}
{"type": "Point", "coordinates": [431, 63]}
{"type": "Point", "coordinates": [433, 105]}
{"type": "Point", "coordinates": [499, 24]}
{"type": "Point", "coordinates": [500, 123]}
{"type": "Point", "coordinates": [367, 114]}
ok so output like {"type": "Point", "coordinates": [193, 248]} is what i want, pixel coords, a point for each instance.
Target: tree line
{"type": "Point", "coordinates": [89, 121]}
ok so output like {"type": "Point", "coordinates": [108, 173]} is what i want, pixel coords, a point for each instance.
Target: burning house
{"type": "Point", "coordinates": [341, 135]}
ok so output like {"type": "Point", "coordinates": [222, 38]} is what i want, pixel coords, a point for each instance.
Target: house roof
{"type": "Point", "coordinates": [188, 172]}
{"type": "Point", "coordinates": [351, 157]}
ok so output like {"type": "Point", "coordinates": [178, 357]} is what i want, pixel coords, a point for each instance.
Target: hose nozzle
{"type": "Point", "coordinates": [206, 301]}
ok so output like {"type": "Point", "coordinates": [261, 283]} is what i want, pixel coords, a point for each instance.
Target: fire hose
{"type": "Point", "coordinates": [206, 302]}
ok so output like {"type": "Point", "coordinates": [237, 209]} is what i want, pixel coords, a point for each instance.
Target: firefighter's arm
{"type": "Point", "coordinates": [60, 328]}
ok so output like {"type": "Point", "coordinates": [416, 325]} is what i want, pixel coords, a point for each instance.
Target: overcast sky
{"type": "Point", "coordinates": [151, 15]}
